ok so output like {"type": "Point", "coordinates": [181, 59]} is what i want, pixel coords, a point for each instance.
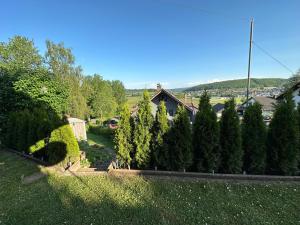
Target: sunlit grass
{"type": "Point", "coordinates": [110, 200]}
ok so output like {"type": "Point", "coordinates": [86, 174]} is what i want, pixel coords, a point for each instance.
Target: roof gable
{"type": "Point", "coordinates": [163, 91]}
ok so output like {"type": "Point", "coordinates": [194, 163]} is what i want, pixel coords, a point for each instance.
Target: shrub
{"type": "Point", "coordinates": [283, 139]}
{"type": "Point", "coordinates": [254, 140]}
{"type": "Point", "coordinates": [205, 137]}
{"type": "Point", "coordinates": [63, 145]}
{"type": "Point", "coordinates": [230, 140]}
{"type": "Point", "coordinates": [159, 130]}
{"type": "Point", "coordinates": [103, 131]}
{"type": "Point", "coordinates": [122, 138]}
{"type": "Point", "coordinates": [180, 142]}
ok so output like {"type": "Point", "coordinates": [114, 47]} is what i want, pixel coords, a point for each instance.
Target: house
{"type": "Point", "coordinates": [295, 90]}
{"type": "Point", "coordinates": [172, 103]}
{"type": "Point", "coordinates": [218, 108]}
{"type": "Point", "coordinates": [267, 106]}
{"type": "Point", "coordinates": [78, 127]}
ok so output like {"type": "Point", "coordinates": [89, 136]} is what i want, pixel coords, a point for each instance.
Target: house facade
{"type": "Point", "coordinates": [267, 106]}
{"type": "Point", "coordinates": [172, 103]}
{"type": "Point", "coordinates": [295, 90]}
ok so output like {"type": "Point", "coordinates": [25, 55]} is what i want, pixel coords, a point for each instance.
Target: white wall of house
{"type": "Point", "coordinates": [296, 96]}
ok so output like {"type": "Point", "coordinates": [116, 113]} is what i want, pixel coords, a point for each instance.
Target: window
{"type": "Point", "coordinates": [171, 112]}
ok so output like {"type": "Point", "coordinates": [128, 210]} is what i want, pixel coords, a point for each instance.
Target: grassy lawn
{"type": "Point", "coordinates": [98, 148]}
{"type": "Point", "coordinates": [108, 200]}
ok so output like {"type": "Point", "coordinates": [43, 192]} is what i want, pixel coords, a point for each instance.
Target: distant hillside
{"type": "Point", "coordinates": [240, 83]}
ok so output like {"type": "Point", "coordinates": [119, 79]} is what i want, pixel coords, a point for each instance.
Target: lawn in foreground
{"type": "Point", "coordinates": [109, 200]}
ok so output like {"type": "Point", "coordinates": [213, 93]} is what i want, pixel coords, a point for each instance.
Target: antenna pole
{"type": "Point", "coordinates": [249, 60]}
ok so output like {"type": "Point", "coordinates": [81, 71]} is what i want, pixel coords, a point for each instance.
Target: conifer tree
{"type": "Point", "coordinates": [180, 142]}
{"type": "Point", "coordinates": [123, 139]}
{"type": "Point", "coordinates": [142, 132]}
{"type": "Point", "coordinates": [160, 129]}
{"type": "Point", "coordinates": [230, 140]}
{"type": "Point", "coordinates": [254, 140]}
{"type": "Point", "coordinates": [205, 137]}
{"type": "Point", "coordinates": [283, 139]}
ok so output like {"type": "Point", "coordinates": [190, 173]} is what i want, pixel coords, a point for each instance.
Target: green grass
{"type": "Point", "coordinates": [109, 200]}
{"type": "Point", "coordinates": [98, 148]}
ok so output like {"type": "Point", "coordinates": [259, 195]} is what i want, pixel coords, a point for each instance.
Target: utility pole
{"type": "Point", "coordinates": [249, 59]}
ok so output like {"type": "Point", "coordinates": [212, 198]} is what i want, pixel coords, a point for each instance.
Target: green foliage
{"type": "Point", "coordinates": [240, 83]}
{"type": "Point", "coordinates": [206, 137]}
{"type": "Point", "coordinates": [283, 139]}
{"type": "Point", "coordinates": [123, 145]}
{"type": "Point", "coordinates": [103, 131]}
{"type": "Point", "coordinates": [159, 132]}
{"type": "Point", "coordinates": [118, 93]}
{"type": "Point", "coordinates": [230, 140]}
{"type": "Point", "coordinates": [63, 145]}
{"type": "Point", "coordinates": [142, 134]}
{"type": "Point", "coordinates": [254, 140]}
{"type": "Point", "coordinates": [38, 146]}
{"type": "Point", "coordinates": [19, 54]}
{"type": "Point", "coordinates": [41, 89]}
{"type": "Point", "coordinates": [180, 142]}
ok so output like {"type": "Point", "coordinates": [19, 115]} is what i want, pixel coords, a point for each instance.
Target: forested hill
{"type": "Point", "coordinates": [240, 83]}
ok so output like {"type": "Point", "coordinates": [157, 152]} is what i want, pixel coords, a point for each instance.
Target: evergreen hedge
{"type": "Point", "coordinates": [63, 145]}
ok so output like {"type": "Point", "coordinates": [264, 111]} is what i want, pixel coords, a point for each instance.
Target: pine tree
{"type": "Point", "coordinates": [160, 129]}
{"type": "Point", "coordinates": [180, 142]}
{"type": "Point", "coordinates": [254, 140]}
{"type": "Point", "coordinates": [283, 139]}
{"type": "Point", "coordinates": [205, 137]}
{"type": "Point", "coordinates": [123, 145]}
{"type": "Point", "coordinates": [142, 134]}
{"type": "Point", "coordinates": [230, 140]}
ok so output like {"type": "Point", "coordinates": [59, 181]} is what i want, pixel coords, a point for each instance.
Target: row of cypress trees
{"type": "Point", "coordinates": [225, 146]}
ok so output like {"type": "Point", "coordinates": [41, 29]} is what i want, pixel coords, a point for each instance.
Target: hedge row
{"type": "Point", "coordinates": [42, 134]}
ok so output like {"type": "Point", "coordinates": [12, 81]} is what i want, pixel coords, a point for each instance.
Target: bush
{"type": "Point", "coordinates": [103, 131]}
{"type": "Point", "coordinates": [63, 145]}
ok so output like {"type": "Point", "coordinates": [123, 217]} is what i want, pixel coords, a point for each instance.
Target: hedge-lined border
{"type": "Point", "coordinates": [164, 174]}
{"type": "Point", "coordinates": [208, 176]}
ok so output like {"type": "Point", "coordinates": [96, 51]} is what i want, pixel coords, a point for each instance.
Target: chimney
{"type": "Point", "coordinates": [158, 87]}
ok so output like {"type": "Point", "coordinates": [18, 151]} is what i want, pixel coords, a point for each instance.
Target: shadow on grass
{"type": "Point", "coordinates": [111, 200]}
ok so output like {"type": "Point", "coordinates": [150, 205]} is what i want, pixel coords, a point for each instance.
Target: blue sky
{"type": "Point", "coordinates": [176, 42]}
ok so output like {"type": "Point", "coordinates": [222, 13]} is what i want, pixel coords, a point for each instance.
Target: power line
{"type": "Point", "coordinates": [275, 59]}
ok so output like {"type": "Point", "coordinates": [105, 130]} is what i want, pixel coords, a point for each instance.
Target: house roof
{"type": "Point", "coordinates": [218, 107]}
{"type": "Point", "coordinates": [293, 88]}
{"type": "Point", "coordinates": [267, 103]}
{"type": "Point", "coordinates": [189, 107]}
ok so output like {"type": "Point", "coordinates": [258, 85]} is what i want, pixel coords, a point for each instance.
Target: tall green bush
{"type": "Point", "coordinates": [254, 135]}
{"type": "Point", "coordinates": [63, 145]}
{"type": "Point", "coordinates": [180, 142]}
{"type": "Point", "coordinates": [230, 140]}
{"type": "Point", "coordinates": [206, 137]}
{"type": "Point", "coordinates": [142, 134]}
{"type": "Point", "coordinates": [159, 131]}
{"type": "Point", "coordinates": [283, 139]}
{"type": "Point", "coordinates": [123, 145]}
